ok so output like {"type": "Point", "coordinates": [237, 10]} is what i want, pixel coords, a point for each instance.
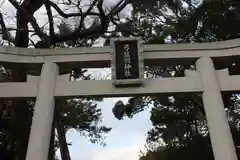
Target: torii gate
{"type": "Point", "coordinates": [53, 83]}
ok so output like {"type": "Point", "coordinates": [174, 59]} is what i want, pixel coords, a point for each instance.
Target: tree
{"type": "Point", "coordinates": [179, 123]}
{"type": "Point", "coordinates": [91, 22]}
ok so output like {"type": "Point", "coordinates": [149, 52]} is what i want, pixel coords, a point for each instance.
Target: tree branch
{"type": "Point", "coordinates": [118, 7]}
{"type": "Point", "coordinates": [24, 15]}
{"type": "Point", "coordinates": [16, 29]}
{"type": "Point", "coordinates": [76, 34]}
{"type": "Point", "coordinates": [92, 5]}
{"type": "Point", "coordinates": [103, 17]}
{"type": "Point", "coordinates": [31, 19]}
{"type": "Point", "coordinates": [50, 19]}
{"type": "Point", "coordinates": [96, 30]}
{"type": "Point", "coordinates": [123, 29]}
{"type": "Point", "coordinates": [84, 16]}
{"type": "Point", "coordinates": [6, 35]}
{"type": "Point", "coordinates": [65, 15]}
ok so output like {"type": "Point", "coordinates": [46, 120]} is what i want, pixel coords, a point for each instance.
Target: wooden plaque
{"type": "Point", "coordinates": [127, 62]}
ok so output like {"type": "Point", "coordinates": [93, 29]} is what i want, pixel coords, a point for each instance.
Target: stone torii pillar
{"type": "Point", "coordinates": [39, 140]}
{"type": "Point", "coordinates": [221, 138]}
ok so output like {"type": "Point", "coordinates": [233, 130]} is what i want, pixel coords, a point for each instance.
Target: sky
{"type": "Point", "coordinates": [127, 136]}
{"type": "Point", "coordinates": [126, 139]}
{"type": "Point", "coordinates": [124, 142]}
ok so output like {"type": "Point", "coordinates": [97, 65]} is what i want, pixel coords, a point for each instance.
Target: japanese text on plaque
{"type": "Point", "coordinates": [127, 61]}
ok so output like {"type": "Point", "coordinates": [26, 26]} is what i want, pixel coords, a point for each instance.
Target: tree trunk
{"type": "Point", "coordinates": [51, 153]}
{"type": "Point", "coordinates": [22, 35]}
{"type": "Point", "coordinates": [61, 132]}
{"type": "Point", "coordinates": [65, 155]}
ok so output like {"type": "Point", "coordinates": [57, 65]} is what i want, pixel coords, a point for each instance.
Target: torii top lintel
{"type": "Point", "coordinates": [100, 57]}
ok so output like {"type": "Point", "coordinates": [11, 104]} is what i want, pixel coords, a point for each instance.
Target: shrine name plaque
{"type": "Point", "coordinates": [127, 62]}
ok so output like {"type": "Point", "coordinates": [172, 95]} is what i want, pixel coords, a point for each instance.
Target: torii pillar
{"type": "Point", "coordinates": [39, 140]}
{"type": "Point", "coordinates": [221, 138]}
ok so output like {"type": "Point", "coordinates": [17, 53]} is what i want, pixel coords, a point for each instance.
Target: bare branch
{"type": "Point", "coordinates": [84, 16]}
{"type": "Point", "coordinates": [31, 19]}
{"type": "Point", "coordinates": [50, 19]}
{"type": "Point", "coordinates": [25, 13]}
{"type": "Point", "coordinates": [16, 29]}
{"type": "Point", "coordinates": [97, 30]}
{"type": "Point", "coordinates": [116, 6]}
{"type": "Point", "coordinates": [6, 35]}
{"type": "Point", "coordinates": [119, 7]}
{"type": "Point", "coordinates": [65, 15]}
{"type": "Point", "coordinates": [102, 14]}
{"type": "Point", "coordinates": [92, 5]}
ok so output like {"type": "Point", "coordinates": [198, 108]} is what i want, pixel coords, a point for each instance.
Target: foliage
{"type": "Point", "coordinates": [179, 123]}
{"type": "Point", "coordinates": [74, 24]}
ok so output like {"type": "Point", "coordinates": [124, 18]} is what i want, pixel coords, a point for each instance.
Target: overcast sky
{"type": "Point", "coordinates": [126, 138]}
{"type": "Point", "coordinates": [124, 142]}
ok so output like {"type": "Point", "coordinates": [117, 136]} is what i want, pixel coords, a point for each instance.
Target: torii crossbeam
{"type": "Point", "coordinates": [48, 81]}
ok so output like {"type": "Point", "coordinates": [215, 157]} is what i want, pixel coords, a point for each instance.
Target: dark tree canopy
{"type": "Point", "coordinates": [70, 23]}
{"type": "Point", "coordinates": [179, 124]}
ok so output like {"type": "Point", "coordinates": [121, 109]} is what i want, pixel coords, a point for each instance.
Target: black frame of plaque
{"type": "Point", "coordinates": [120, 58]}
